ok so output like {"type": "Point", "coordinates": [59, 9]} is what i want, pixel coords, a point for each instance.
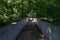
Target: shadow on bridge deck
{"type": "Point", "coordinates": [31, 32]}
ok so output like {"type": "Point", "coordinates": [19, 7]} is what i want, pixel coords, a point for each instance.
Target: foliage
{"type": "Point", "coordinates": [47, 9]}
{"type": "Point", "coordinates": [13, 10]}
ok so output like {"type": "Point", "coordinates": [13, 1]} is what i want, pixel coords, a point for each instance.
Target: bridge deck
{"type": "Point", "coordinates": [30, 32]}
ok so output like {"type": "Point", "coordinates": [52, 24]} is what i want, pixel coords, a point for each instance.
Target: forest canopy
{"type": "Point", "coordinates": [14, 10]}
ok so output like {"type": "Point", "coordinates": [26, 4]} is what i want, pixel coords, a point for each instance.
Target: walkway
{"type": "Point", "coordinates": [30, 32]}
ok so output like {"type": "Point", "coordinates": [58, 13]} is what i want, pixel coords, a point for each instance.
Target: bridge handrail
{"type": "Point", "coordinates": [12, 31]}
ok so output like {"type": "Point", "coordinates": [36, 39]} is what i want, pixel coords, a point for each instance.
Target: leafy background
{"type": "Point", "coordinates": [14, 10]}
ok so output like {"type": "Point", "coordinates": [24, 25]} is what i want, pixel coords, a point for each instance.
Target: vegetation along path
{"type": "Point", "coordinates": [31, 32]}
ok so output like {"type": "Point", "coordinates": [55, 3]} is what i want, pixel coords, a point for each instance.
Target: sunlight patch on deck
{"type": "Point", "coordinates": [14, 23]}
{"type": "Point", "coordinates": [34, 20]}
{"type": "Point", "coordinates": [49, 30]}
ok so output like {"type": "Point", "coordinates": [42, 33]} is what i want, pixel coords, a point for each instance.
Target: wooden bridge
{"type": "Point", "coordinates": [29, 30]}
